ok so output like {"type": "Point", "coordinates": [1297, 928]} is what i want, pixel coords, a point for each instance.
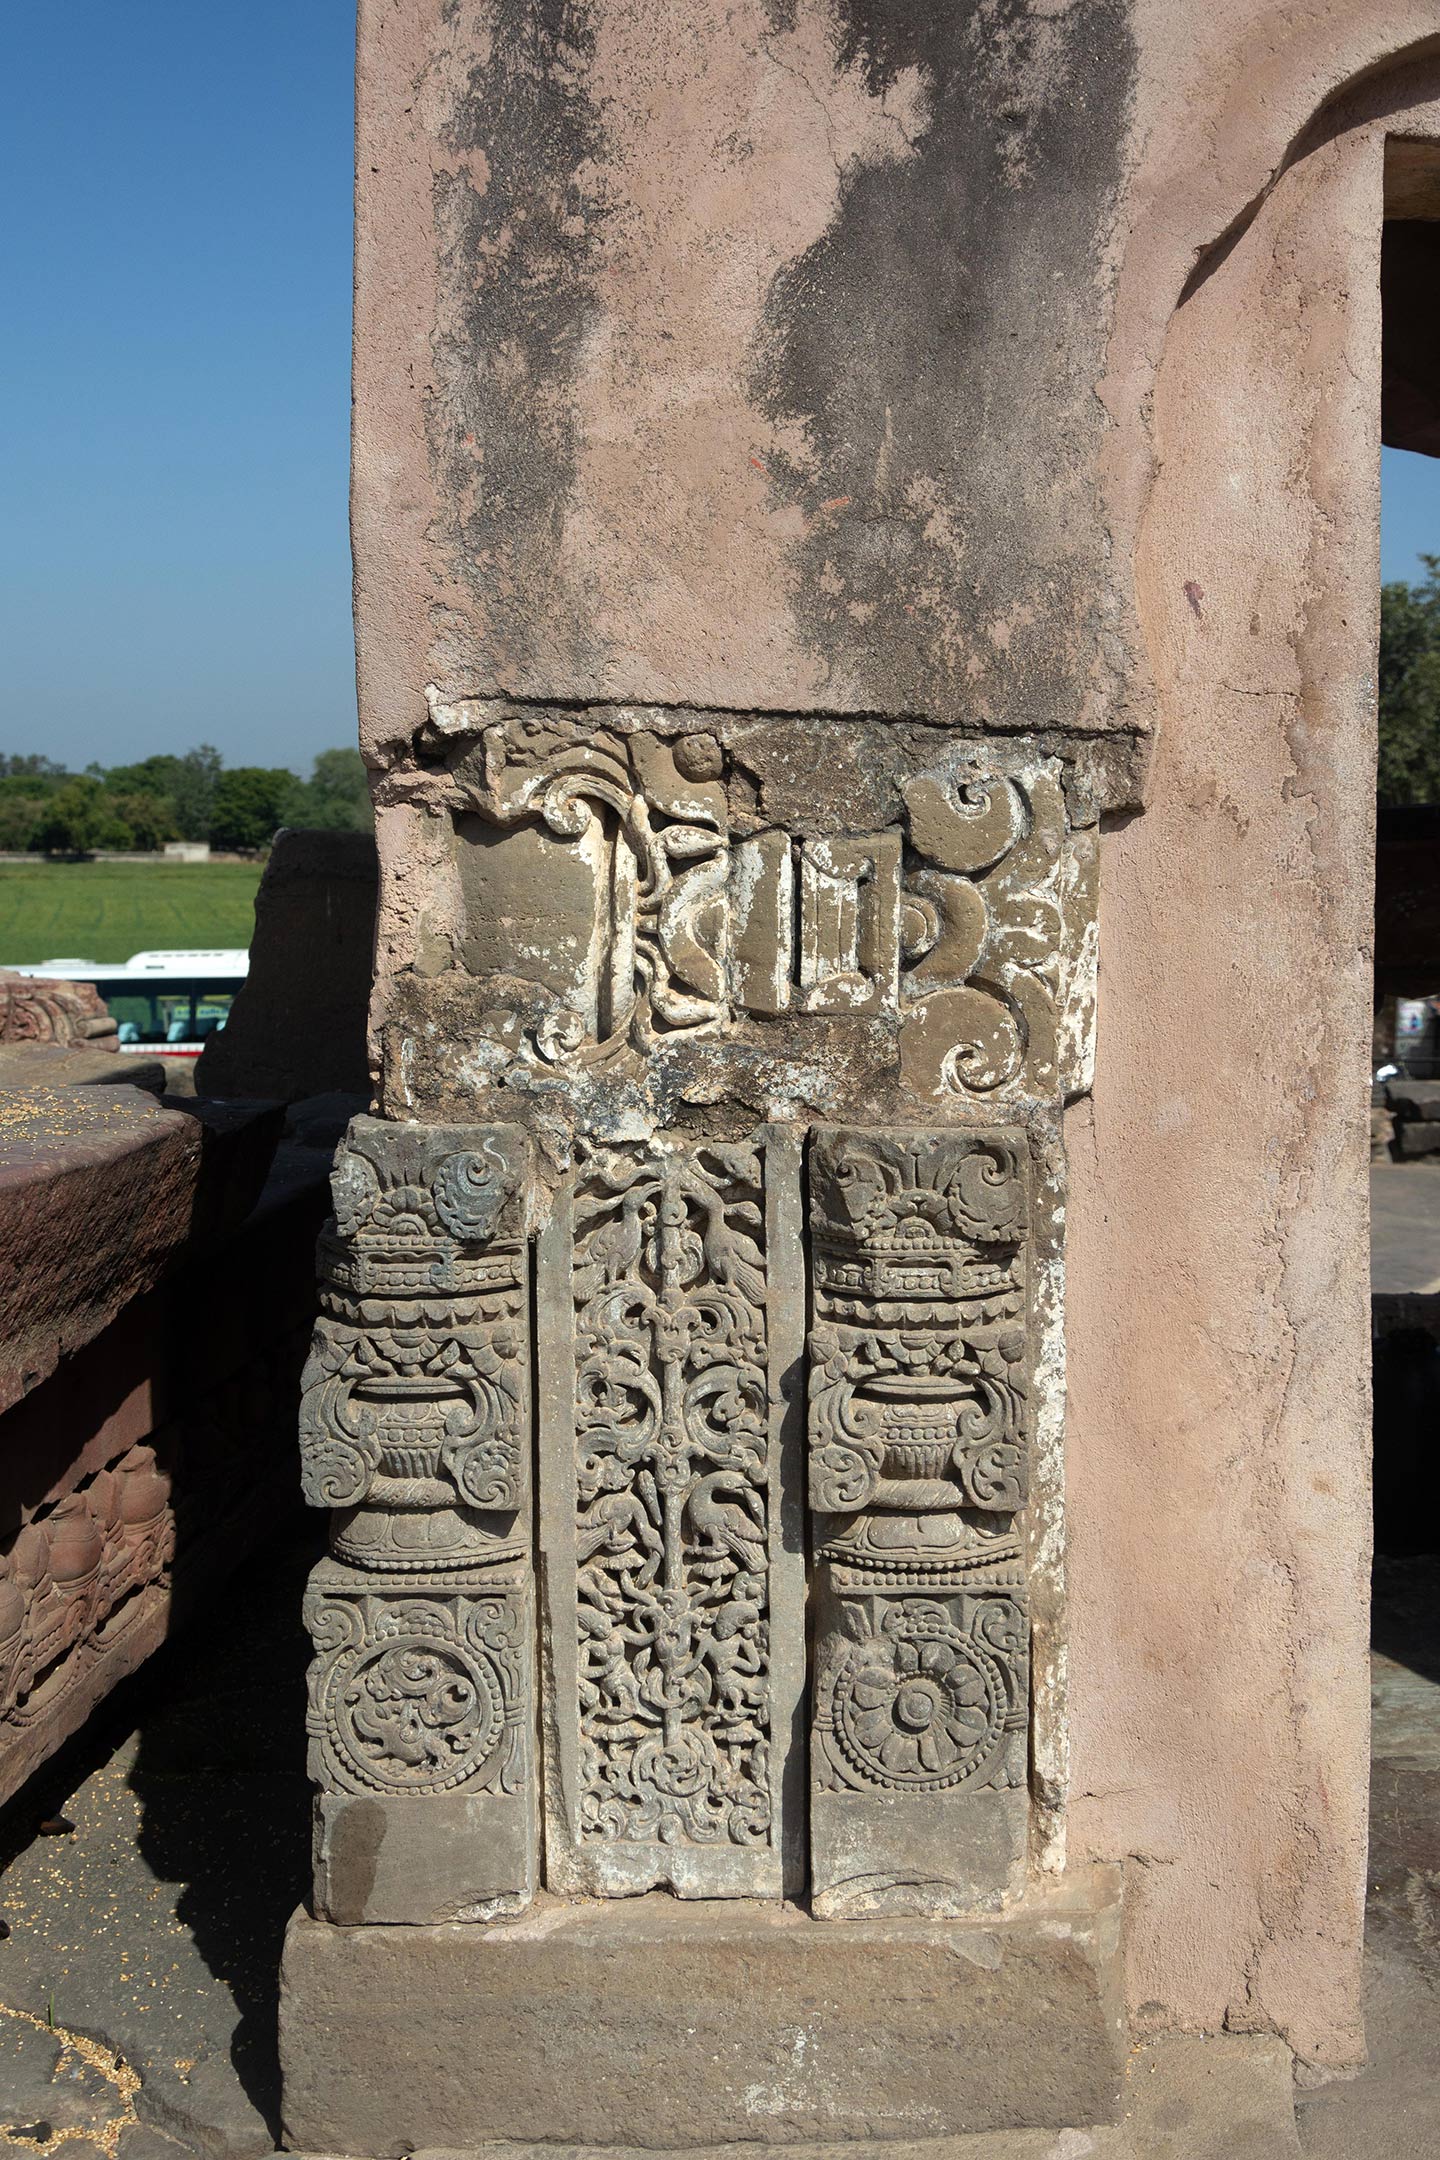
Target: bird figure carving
{"type": "Point", "coordinates": [739, 1530]}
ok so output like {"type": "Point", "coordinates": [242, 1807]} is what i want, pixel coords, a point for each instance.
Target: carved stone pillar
{"type": "Point", "coordinates": [415, 1431]}
{"type": "Point", "coordinates": [671, 1297]}
{"type": "Point", "coordinates": [919, 1361]}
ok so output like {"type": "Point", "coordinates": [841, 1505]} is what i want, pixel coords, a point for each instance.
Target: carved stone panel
{"type": "Point", "coordinates": [641, 912]}
{"type": "Point", "coordinates": [420, 1686]}
{"type": "Point", "coordinates": [670, 1284]}
{"type": "Point", "coordinates": [414, 1423]}
{"type": "Point", "coordinates": [920, 1365]}
{"type": "Point", "coordinates": [415, 1431]}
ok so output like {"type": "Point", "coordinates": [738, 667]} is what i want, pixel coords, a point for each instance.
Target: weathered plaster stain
{"type": "Point", "coordinates": [931, 357]}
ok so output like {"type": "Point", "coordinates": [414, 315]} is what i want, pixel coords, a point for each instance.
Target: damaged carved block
{"type": "Point", "coordinates": [919, 1409]}
{"type": "Point", "coordinates": [415, 1431]}
{"type": "Point", "coordinates": [633, 914]}
{"type": "Point", "coordinates": [670, 1283]}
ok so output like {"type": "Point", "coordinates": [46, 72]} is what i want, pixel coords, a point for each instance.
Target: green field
{"type": "Point", "coordinates": [108, 910]}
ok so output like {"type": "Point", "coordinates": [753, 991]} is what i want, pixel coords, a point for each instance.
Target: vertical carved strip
{"type": "Point", "coordinates": [674, 1582]}
{"type": "Point", "coordinates": [919, 1417]}
{"type": "Point", "coordinates": [415, 1431]}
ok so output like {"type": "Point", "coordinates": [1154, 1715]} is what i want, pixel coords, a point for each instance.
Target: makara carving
{"type": "Point", "coordinates": [672, 1501]}
{"type": "Point", "coordinates": [919, 1417]}
{"type": "Point", "coordinates": [415, 1430]}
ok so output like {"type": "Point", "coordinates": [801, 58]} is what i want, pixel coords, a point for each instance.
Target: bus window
{"type": "Point", "coordinates": [134, 1009]}
{"type": "Point", "coordinates": [212, 1010]}
{"type": "Point", "coordinates": [166, 1012]}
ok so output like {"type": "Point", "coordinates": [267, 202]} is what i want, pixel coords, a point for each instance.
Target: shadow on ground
{"type": "Point", "coordinates": [156, 1925]}
{"type": "Point", "coordinates": [1392, 2108]}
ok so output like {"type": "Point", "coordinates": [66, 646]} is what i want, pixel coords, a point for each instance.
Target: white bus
{"type": "Point", "coordinates": [163, 1001]}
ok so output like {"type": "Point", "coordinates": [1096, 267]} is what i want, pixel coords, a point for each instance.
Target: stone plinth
{"type": "Point", "coordinates": [654, 2021]}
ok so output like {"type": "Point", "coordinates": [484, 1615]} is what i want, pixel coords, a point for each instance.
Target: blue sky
{"type": "Point", "coordinates": [1409, 511]}
{"type": "Point", "coordinates": [174, 381]}
{"type": "Point", "coordinates": [174, 377]}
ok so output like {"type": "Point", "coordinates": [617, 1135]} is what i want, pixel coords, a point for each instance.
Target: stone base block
{"type": "Point", "coordinates": [655, 2022]}
{"type": "Point", "coordinates": [1228, 2096]}
{"type": "Point", "coordinates": [961, 1855]}
{"type": "Point", "coordinates": [440, 1857]}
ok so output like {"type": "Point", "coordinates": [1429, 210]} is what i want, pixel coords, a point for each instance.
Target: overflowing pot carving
{"type": "Point", "coordinates": [771, 1067]}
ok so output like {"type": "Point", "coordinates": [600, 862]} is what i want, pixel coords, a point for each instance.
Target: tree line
{"type": "Point", "coordinates": [46, 809]}
{"type": "Point", "coordinates": [1410, 689]}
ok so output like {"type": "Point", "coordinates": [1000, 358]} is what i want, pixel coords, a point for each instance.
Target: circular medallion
{"type": "Point", "coordinates": [920, 1708]}
{"type": "Point", "coordinates": [414, 1715]}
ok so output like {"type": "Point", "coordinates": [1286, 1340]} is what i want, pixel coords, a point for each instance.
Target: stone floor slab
{"type": "Point", "coordinates": [665, 2024]}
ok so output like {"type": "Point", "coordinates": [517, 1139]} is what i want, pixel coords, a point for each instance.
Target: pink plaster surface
{"type": "Point", "coordinates": [1219, 1431]}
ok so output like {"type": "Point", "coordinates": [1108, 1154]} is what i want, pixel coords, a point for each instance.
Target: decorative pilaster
{"type": "Point", "coordinates": [415, 1431]}
{"type": "Point", "coordinates": [671, 1292]}
{"type": "Point", "coordinates": [919, 1412]}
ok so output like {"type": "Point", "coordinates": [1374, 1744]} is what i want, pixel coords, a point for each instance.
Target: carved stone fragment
{"type": "Point", "coordinates": [674, 1586]}
{"type": "Point", "coordinates": [69, 1573]}
{"type": "Point", "coordinates": [919, 1387]}
{"type": "Point", "coordinates": [37, 1009]}
{"type": "Point", "coordinates": [415, 1430]}
{"type": "Point", "coordinates": [414, 1423]}
{"type": "Point", "coordinates": [643, 918]}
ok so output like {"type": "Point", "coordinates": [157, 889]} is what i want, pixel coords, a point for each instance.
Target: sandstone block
{"type": "Point", "coordinates": [1414, 1101]}
{"type": "Point", "coordinates": [658, 2022]}
{"type": "Point", "coordinates": [442, 1857]}
{"type": "Point", "coordinates": [95, 1195]}
{"type": "Point", "coordinates": [81, 1064]}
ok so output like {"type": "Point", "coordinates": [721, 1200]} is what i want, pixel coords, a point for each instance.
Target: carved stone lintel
{"type": "Point", "coordinates": [670, 1285]}
{"type": "Point", "coordinates": [631, 915]}
{"type": "Point", "coordinates": [920, 1377]}
{"type": "Point", "coordinates": [415, 1430]}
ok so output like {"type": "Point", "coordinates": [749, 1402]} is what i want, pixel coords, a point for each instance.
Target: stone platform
{"type": "Point", "coordinates": [1227, 2097]}
{"type": "Point", "coordinates": [655, 2022]}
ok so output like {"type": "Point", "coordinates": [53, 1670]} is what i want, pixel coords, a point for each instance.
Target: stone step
{"type": "Point", "coordinates": [1187, 2097]}
{"type": "Point", "coordinates": [686, 2024]}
